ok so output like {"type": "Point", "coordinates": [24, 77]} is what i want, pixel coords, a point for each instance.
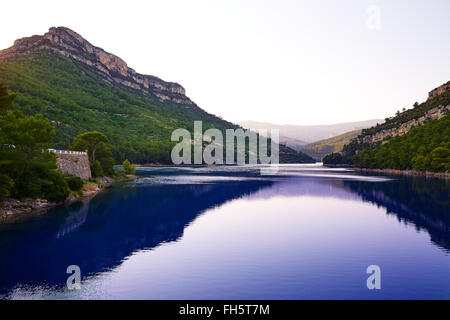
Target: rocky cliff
{"type": "Point", "coordinates": [80, 87]}
{"type": "Point", "coordinates": [434, 108]}
{"type": "Point", "coordinates": [438, 91]}
{"type": "Point", "coordinates": [112, 68]}
{"type": "Point", "coordinates": [433, 114]}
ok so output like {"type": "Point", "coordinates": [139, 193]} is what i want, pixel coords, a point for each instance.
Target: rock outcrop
{"type": "Point", "coordinates": [70, 44]}
{"type": "Point", "coordinates": [438, 91]}
{"type": "Point", "coordinates": [432, 114]}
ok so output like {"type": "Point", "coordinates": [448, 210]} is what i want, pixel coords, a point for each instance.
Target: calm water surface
{"type": "Point", "coordinates": [229, 233]}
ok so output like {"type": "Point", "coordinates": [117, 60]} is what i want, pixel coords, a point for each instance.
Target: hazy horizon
{"type": "Point", "coordinates": [309, 125]}
{"type": "Point", "coordinates": [267, 61]}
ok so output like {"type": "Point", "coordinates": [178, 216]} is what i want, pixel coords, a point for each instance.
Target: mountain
{"type": "Point", "coordinates": [414, 139]}
{"type": "Point", "coordinates": [111, 68]}
{"type": "Point", "coordinates": [80, 87]}
{"type": "Point", "coordinates": [423, 148]}
{"type": "Point", "coordinates": [321, 148]}
{"type": "Point", "coordinates": [292, 143]}
{"type": "Point", "coordinates": [436, 107]}
{"type": "Point", "coordinates": [312, 133]}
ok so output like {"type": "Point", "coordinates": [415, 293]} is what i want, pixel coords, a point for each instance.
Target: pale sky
{"type": "Point", "coordinates": [281, 61]}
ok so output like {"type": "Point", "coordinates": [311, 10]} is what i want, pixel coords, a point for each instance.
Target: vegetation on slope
{"type": "Point", "coordinates": [292, 143]}
{"type": "Point", "coordinates": [26, 169]}
{"type": "Point", "coordinates": [406, 115]}
{"type": "Point", "coordinates": [76, 99]}
{"type": "Point", "coordinates": [423, 148]}
{"type": "Point", "coordinates": [321, 148]}
{"type": "Point", "coordinates": [287, 155]}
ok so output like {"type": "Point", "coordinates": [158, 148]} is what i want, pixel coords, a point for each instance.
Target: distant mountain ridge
{"type": "Point", "coordinates": [321, 148]}
{"type": "Point", "coordinates": [292, 143]}
{"type": "Point", "coordinates": [312, 133]}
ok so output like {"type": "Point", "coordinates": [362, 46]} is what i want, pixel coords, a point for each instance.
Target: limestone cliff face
{"type": "Point", "coordinates": [68, 43]}
{"type": "Point", "coordinates": [433, 114]}
{"type": "Point", "coordinates": [438, 91]}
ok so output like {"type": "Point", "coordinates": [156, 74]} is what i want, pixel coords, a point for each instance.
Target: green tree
{"type": "Point", "coordinates": [128, 168]}
{"type": "Point", "coordinates": [6, 98]}
{"type": "Point", "coordinates": [106, 159]}
{"type": "Point", "coordinates": [24, 158]}
{"type": "Point", "coordinates": [96, 144]}
{"type": "Point", "coordinates": [75, 183]}
{"type": "Point", "coordinates": [89, 141]}
{"type": "Point", "coordinates": [419, 162]}
{"type": "Point", "coordinates": [423, 148]}
{"type": "Point", "coordinates": [54, 187]}
{"type": "Point", "coordinates": [6, 185]}
{"type": "Point", "coordinates": [96, 169]}
{"type": "Point", "coordinates": [440, 159]}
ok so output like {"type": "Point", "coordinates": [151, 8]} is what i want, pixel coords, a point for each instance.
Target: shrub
{"type": "Point", "coordinates": [75, 183]}
{"type": "Point", "coordinates": [128, 168]}
{"type": "Point", "coordinates": [6, 185]}
{"type": "Point", "coordinates": [55, 187]}
{"type": "Point", "coordinates": [96, 169]}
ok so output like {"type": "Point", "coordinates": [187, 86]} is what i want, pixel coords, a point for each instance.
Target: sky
{"type": "Point", "coordinates": [281, 61]}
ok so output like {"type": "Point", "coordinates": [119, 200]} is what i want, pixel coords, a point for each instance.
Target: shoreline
{"type": "Point", "coordinates": [171, 165]}
{"type": "Point", "coordinates": [427, 174]}
{"type": "Point", "coordinates": [12, 209]}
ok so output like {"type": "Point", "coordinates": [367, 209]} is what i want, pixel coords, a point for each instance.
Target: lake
{"type": "Point", "coordinates": [228, 232]}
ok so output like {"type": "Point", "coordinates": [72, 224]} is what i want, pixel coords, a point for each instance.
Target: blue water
{"type": "Point", "coordinates": [306, 232]}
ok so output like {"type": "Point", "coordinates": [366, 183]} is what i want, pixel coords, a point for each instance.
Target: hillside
{"type": "Point", "coordinates": [423, 148]}
{"type": "Point", "coordinates": [417, 138]}
{"type": "Point", "coordinates": [436, 106]}
{"type": "Point", "coordinates": [312, 133]}
{"type": "Point", "coordinates": [292, 143]}
{"type": "Point", "coordinates": [80, 87]}
{"type": "Point", "coordinates": [321, 148]}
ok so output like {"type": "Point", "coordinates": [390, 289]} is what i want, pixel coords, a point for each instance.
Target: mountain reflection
{"type": "Point", "coordinates": [418, 200]}
{"type": "Point", "coordinates": [98, 235]}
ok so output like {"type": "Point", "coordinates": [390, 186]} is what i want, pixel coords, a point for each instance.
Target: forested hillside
{"type": "Point", "coordinates": [76, 100]}
{"type": "Point", "coordinates": [423, 148]}
{"type": "Point", "coordinates": [81, 88]}
{"type": "Point", "coordinates": [417, 139]}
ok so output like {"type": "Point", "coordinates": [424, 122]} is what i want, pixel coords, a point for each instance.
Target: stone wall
{"type": "Point", "coordinates": [73, 162]}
